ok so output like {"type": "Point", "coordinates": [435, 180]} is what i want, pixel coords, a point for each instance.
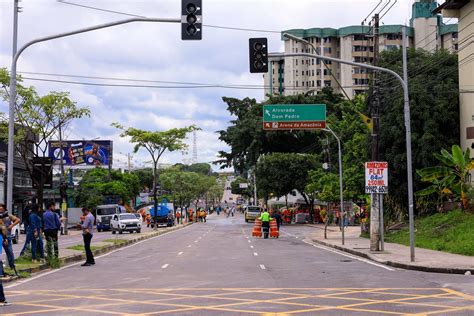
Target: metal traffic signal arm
{"type": "Point", "coordinates": [404, 85]}
{"type": "Point", "coordinates": [13, 83]}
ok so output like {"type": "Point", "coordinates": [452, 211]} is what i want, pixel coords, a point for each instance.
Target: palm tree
{"type": "Point", "coordinates": [451, 177]}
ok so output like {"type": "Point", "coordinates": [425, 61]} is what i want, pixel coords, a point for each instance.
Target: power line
{"type": "Point", "coordinates": [142, 16]}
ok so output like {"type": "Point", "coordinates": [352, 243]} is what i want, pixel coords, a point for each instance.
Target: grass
{"type": "Point", "coordinates": [450, 232]}
{"type": "Point", "coordinates": [115, 241]}
{"type": "Point", "coordinates": [81, 248]}
{"type": "Point", "coordinates": [22, 274]}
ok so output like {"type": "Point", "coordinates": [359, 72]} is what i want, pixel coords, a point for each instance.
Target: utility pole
{"type": "Point", "coordinates": [11, 133]}
{"type": "Point", "coordinates": [62, 183]}
{"type": "Point", "coordinates": [375, 107]}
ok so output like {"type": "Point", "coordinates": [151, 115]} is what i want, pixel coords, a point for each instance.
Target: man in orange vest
{"type": "Point", "coordinates": [178, 216]}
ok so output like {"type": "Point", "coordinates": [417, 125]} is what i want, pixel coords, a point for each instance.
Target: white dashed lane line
{"type": "Point", "coordinates": [180, 253]}
{"type": "Point", "coordinates": [164, 266]}
{"type": "Point", "coordinates": [189, 246]}
{"type": "Point", "coordinates": [262, 267]}
{"type": "Point", "coordinates": [251, 246]}
{"type": "Point", "coordinates": [255, 254]}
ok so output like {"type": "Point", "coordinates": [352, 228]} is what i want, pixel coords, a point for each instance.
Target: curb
{"type": "Point", "coordinates": [97, 252]}
{"type": "Point", "coordinates": [395, 264]}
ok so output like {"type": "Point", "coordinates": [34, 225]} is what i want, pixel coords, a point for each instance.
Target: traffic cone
{"type": "Point", "coordinates": [274, 233]}
{"type": "Point", "coordinates": [257, 229]}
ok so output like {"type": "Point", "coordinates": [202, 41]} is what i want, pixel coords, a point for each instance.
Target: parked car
{"type": "Point", "coordinates": [105, 213]}
{"type": "Point", "coordinates": [125, 222]}
{"type": "Point", "coordinates": [252, 212]}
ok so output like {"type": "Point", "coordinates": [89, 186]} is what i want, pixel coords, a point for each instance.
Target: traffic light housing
{"type": "Point", "coordinates": [191, 19]}
{"type": "Point", "coordinates": [258, 52]}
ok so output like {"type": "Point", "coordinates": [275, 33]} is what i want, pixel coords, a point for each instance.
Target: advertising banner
{"type": "Point", "coordinates": [82, 153]}
{"type": "Point", "coordinates": [376, 177]}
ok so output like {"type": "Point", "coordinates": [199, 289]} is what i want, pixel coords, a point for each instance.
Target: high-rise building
{"type": "Point", "coordinates": [299, 75]}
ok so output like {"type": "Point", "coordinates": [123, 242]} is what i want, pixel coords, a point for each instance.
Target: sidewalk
{"type": "Point", "coordinates": [395, 255]}
{"type": "Point", "coordinates": [101, 243]}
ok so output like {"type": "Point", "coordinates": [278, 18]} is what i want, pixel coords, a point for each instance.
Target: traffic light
{"type": "Point", "coordinates": [191, 19]}
{"type": "Point", "coordinates": [258, 52]}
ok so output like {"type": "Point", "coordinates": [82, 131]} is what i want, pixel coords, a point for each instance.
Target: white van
{"type": "Point", "coordinates": [104, 215]}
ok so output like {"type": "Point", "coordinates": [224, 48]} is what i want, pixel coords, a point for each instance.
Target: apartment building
{"type": "Point", "coordinates": [302, 75]}
{"type": "Point", "coordinates": [464, 11]}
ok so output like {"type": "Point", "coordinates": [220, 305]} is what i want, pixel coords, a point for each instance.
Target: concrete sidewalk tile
{"type": "Point", "coordinates": [394, 255]}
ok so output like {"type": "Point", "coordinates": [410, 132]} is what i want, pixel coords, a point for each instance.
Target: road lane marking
{"type": "Point", "coordinates": [249, 240]}
{"type": "Point", "coordinates": [189, 246]}
{"type": "Point", "coordinates": [255, 254]}
{"type": "Point", "coordinates": [262, 267]}
{"type": "Point", "coordinates": [98, 257]}
{"type": "Point", "coordinates": [200, 238]}
{"type": "Point", "coordinates": [349, 256]}
{"type": "Point", "coordinates": [196, 240]}
{"type": "Point", "coordinates": [251, 246]}
{"type": "Point", "coordinates": [180, 253]}
{"type": "Point", "coordinates": [165, 266]}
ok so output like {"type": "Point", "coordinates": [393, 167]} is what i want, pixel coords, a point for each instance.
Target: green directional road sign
{"type": "Point", "coordinates": [294, 116]}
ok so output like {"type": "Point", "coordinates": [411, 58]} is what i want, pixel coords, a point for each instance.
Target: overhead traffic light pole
{"type": "Point", "coordinates": [13, 83]}
{"type": "Point", "coordinates": [404, 85]}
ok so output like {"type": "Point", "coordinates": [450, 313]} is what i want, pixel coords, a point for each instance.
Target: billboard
{"type": "Point", "coordinates": [376, 177]}
{"type": "Point", "coordinates": [82, 153]}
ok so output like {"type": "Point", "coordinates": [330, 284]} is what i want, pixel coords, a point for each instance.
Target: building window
{"type": "Point", "coordinates": [312, 83]}
{"type": "Point", "coordinates": [454, 35]}
{"type": "Point", "coordinates": [327, 72]}
{"type": "Point", "coordinates": [312, 61]}
{"type": "Point", "coordinates": [297, 73]}
{"type": "Point", "coordinates": [318, 83]}
{"type": "Point", "coordinates": [327, 50]}
{"type": "Point", "coordinates": [394, 36]}
{"type": "Point", "coordinates": [327, 83]}
{"type": "Point", "coordinates": [327, 40]}
{"type": "Point", "coordinates": [359, 37]}
{"type": "Point", "coordinates": [312, 72]}
{"type": "Point", "coordinates": [296, 62]}
{"type": "Point", "coordinates": [296, 82]}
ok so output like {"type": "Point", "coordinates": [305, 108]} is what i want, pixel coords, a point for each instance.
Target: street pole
{"type": "Point", "coordinates": [255, 186]}
{"type": "Point", "coordinates": [12, 101]}
{"type": "Point", "coordinates": [341, 194]}
{"type": "Point", "coordinates": [375, 201]}
{"type": "Point", "coordinates": [408, 141]}
{"type": "Point", "coordinates": [11, 109]}
{"type": "Point", "coordinates": [61, 181]}
{"type": "Point", "coordinates": [404, 84]}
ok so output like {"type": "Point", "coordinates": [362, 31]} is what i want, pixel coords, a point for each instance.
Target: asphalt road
{"type": "Point", "coordinates": [217, 268]}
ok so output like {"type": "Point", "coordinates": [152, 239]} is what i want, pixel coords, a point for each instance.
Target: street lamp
{"type": "Point", "coordinates": [404, 84]}
{"type": "Point", "coordinates": [13, 94]}
{"type": "Point", "coordinates": [328, 129]}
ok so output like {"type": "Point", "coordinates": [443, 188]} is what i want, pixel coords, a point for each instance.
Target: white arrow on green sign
{"type": "Point", "coordinates": [294, 116]}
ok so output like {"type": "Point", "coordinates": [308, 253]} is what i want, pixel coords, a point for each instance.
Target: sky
{"type": "Point", "coordinates": [155, 52]}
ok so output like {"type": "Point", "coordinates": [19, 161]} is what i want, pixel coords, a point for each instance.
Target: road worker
{"type": "Point", "coordinates": [265, 218]}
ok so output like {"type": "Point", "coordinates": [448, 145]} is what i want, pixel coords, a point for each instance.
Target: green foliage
{"type": "Point", "coordinates": [449, 178]}
{"type": "Point", "coordinates": [280, 173]}
{"type": "Point", "coordinates": [434, 106]}
{"type": "Point", "coordinates": [236, 189]}
{"type": "Point", "coordinates": [187, 187]}
{"type": "Point", "coordinates": [325, 185]}
{"type": "Point", "coordinates": [450, 232]}
{"type": "Point", "coordinates": [201, 168]}
{"type": "Point", "coordinates": [145, 176]}
{"type": "Point", "coordinates": [95, 187]}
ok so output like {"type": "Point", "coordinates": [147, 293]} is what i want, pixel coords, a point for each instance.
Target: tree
{"type": "Point", "coordinates": [38, 119]}
{"type": "Point", "coordinates": [146, 177]}
{"type": "Point", "coordinates": [156, 143]}
{"type": "Point", "coordinates": [280, 173]}
{"type": "Point", "coordinates": [451, 177]}
{"type": "Point", "coordinates": [434, 106]}
{"type": "Point", "coordinates": [96, 187]}
{"type": "Point", "coordinates": [201, 168]}
{"type": "Point", "coordinates": [325, 186]}
{"type": "Point", "coordinates": [236, 189]}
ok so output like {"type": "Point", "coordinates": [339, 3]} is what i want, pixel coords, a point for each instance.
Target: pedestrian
{"type": "Point", "coordinates": [87, 233]}
{"type": "Point", "coordinates": [204, 216]}
{"type": "Point", "coordinates": [33, 234]}
{"type": "Point", "coordinates": [170, 218]}
{"type": "Point", "coordinates": [277, 216]}
{"type": "Point", "coordinates": [7, 222]}
{"type": "Point", "coordinates": [265, 218]}
{"type": "Point", "coordinates": [52, 225]}
{"type": "Point", "coordinates": [3, 301]}
{"type": "Point", "coordinates": [178, 216]}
